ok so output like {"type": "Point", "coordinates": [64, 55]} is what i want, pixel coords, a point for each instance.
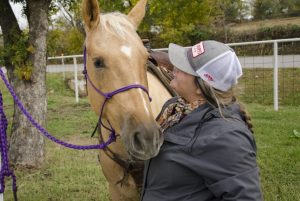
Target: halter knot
{"type": "Point", "coordinates": [109, 95]}
{"type": "Point", "coordinates": [113, 136]}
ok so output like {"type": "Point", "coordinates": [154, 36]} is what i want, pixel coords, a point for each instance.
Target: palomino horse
{"type": "Point", "coordinates": [115, 58]}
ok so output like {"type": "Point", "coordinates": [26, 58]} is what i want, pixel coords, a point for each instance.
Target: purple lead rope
{"type": "Point", "coordinates": [5, 170]}
{"type": "Point", "coordinates": [111, 139]}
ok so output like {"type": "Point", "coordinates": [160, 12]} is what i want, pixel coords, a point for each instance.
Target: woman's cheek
{"type": "Point", "coordinates": [174, 84]}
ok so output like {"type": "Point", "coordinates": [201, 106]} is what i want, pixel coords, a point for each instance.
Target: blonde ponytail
{"type": "Point", "coordinates": [246, 116]}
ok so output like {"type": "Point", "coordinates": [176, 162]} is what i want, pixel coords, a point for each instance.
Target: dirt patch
{"type": "Point", "coordinates": [77, 139]}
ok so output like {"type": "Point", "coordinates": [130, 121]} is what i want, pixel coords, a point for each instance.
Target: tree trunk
{"type": "Point", "coordinates": [26, 143]}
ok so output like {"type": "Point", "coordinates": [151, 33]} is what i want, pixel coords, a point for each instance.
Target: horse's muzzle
{"type": "Point", "coordinates": [144, 141]}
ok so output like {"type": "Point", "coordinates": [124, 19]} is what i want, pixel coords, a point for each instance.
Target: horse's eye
{"type": "Point", "coordinates": [99, 63]}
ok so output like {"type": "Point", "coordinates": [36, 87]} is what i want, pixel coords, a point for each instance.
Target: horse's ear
{"type": "Point", "coordinates": [90, 13]}
{"type": "Point", "coordinates": [137, 14]}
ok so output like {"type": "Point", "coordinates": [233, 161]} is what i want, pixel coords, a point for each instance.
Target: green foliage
{"type": "Point", "coordinates": [55, 42]}
{"type": "Point", "coordinates": [24, 73]}
{"type": "Point", "coordinates": [174, 20]}
{"type": "Point", "coordinates": [229, 10]}
{"type": "Point", "coordinates": [116, 5]}
{"type": "Point", "coordinates": [266, 9]}
{"type": "Point", "coordinates": [74, 41]}
{"type": "Point", "coordinates": [263, 33]}
{"type": "Point", "coordinates": [2, 56]}
{"type": "Point", "coordinates": [165, 21]}
{"type": "Point", "coordinates": [18, 54]}
{"type": "Point", "coordinates": [67, 42]}
{"type": "Point", "coordinates": [290, 7]}
{"type": "Point", "coordinates": [296, 134]}
{"type": "Point", "coordinates": [67, 35]}
{"type": "Point", "coordinates": [200, 33]}
{"type": "Point", "coordinates": [179, 21]}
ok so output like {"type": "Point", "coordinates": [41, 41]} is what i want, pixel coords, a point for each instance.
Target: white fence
{"type": "Point", "coordinates": [276, 61]}
{"type": "Point", "coordinates": [65, 68]}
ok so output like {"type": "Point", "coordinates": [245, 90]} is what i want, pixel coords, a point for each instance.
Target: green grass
{"type": "Point", "coordinates": [256, 86]}
{"type": "Point", "coordinates": [278, 151]}
{"type": "Point", "coordinates": [70, 175]}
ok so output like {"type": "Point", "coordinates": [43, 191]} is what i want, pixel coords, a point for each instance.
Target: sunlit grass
{"type": "Point", "coordinates": [278, 151]}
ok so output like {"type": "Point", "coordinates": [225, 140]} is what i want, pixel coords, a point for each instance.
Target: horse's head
{"type": "Point", "coordinates": [116, 58]}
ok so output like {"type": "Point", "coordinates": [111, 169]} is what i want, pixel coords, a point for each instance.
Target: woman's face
{"type": "Point", "coordinates": [184, 84]}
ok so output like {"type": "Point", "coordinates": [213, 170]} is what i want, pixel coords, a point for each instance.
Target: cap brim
{"type": "Point", "coordinates": [178, 57]}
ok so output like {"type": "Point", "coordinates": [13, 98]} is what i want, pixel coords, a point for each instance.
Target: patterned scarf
{"type": "Point", "coordinates": [175, 112]}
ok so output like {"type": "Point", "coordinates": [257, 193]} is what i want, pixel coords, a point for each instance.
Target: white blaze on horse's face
{"type": "Point", "coordinates": [113, 64]}
{"type": "Point", "coordinates": [126, 50]}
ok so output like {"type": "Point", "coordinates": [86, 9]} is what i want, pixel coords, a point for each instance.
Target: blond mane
{"type": "Point", "coordinates": [117, 23]}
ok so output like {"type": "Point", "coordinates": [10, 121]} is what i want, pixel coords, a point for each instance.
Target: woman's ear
{"type": "Point", "coordinates": [198, 91]}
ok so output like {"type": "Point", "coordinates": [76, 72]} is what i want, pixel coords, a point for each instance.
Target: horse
{"type": "Point", "coordinates": [116, 58]}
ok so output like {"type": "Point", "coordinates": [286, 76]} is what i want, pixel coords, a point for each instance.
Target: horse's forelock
{"type": "Point", "coordinates": [116, 23]}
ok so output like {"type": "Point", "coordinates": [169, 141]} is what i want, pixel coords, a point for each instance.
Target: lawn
{"type": "Point", "coordinates": [278, 151]}
{"type": "Point", "coordinates": [76, 175]}
{"type": "Point", "coordinates": [256, 86]}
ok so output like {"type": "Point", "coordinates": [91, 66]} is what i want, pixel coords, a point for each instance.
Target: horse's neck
{"type": "Point", "coordinates": [158, 93]}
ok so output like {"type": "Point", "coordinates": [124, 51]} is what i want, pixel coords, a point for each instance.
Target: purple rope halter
{"type": "Point", "coordinates": [108, 95]}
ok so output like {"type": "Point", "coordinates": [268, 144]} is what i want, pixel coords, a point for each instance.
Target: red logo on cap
{"type": "Point", "coordinates": [198, 49]}
{"type": "Point", "coordinates": [208, 76]}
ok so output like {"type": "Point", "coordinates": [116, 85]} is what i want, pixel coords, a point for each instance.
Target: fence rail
{"type": "Point", "coordinates": [271, 75]}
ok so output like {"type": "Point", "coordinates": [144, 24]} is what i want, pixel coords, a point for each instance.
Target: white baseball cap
{"type": "Point", "coordinates": [212, 61]}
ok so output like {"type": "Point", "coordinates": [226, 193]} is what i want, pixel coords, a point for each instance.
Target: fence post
{"type": "Point", "coordinates": [63, 63]}
{"type": "Point", "coordinates": [76, 79]}
{"type": "Point", "coordinates": [275, 75]}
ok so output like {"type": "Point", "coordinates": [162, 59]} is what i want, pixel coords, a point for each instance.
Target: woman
{"type": "Point", "coordinates": [209, 152]}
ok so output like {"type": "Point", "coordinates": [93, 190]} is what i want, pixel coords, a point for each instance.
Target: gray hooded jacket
{"type": "Point", "coordinates": [205, 157]}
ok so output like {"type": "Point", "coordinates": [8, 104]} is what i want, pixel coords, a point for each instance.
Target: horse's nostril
{"type": "Point", "coordinates": [137, 141]}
